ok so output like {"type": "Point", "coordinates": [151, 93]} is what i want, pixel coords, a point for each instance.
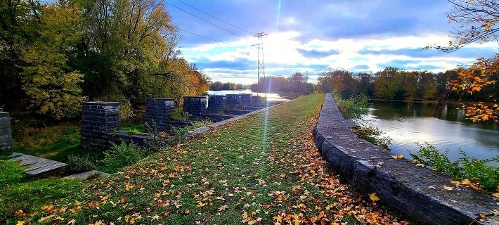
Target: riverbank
{"type": "Point", "coordinates": [264, 168]}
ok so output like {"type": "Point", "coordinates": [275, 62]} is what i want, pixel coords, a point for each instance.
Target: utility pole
{"type": "Point", "coordinates": [261, 59]}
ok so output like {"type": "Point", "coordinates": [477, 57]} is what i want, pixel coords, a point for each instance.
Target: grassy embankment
{"type": "Point", "coordinates": [264, 168]}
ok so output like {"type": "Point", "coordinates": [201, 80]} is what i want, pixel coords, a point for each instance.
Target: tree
{"type": "Point", "coordinates": [18, 21]}
{"type": "Point", "coordinates": [477, 19]}
{"type": "Point", "coordinates": [478, 22]}
{"type": "Point", "coordinates": [52, 86]}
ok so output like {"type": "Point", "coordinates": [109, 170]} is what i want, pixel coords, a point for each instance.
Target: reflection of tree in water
{"type": "Point", "coordinates": [405, 111]}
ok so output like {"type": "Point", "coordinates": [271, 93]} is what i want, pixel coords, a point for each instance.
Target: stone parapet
{"type": "Point", "coordinates": [414, 191]}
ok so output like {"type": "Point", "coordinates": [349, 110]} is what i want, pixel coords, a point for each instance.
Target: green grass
{"type": "Point", "coordinates": [246, 171]}
{"type": "Point", "coordinates": [21, 196]}
{"type": "Point", "coordinates": [54, 142]}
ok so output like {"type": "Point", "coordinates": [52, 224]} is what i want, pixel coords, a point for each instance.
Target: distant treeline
{"type": "Point", "coordinates": [292, 86]}
{"type": "Point", "coordinates": [219, 86]}
{"type": "Point", "coordinates": [397, 84]}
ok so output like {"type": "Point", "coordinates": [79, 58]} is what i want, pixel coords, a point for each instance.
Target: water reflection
{"type": "Point", "coordinates": [442, 125]}
{"type": "Point", "coordinates": [271, 97]}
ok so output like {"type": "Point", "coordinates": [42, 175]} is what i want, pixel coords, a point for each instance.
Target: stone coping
{"type": "Point", "coordinates": [416, 192]}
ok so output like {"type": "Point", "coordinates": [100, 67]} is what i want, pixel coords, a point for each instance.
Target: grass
{"type": "Point", "coordinates": [264, 168]}
{"type": "Point", "coordinates": [21, 196]}
{"type": "Point", "coordinates": [54, 142]}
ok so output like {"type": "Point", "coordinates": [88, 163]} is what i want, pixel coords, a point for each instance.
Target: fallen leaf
{"type": "Point", "coordinates": [448, 188]}
{"type": "Point", "coordinates": [222, 208]}
{"type": "Point", "coordinates": [373, 197]}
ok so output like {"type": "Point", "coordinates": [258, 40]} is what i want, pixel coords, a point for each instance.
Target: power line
{"type": "Point", "coordinates": [214, 17]}
{"type": "Point", "coordinates": [200, 35]}
{"type": "Point", "coordinates": [203, 19]}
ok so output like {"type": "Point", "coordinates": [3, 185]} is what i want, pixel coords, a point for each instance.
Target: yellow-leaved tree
{"type": "Point", "coordinates": [53, 88]}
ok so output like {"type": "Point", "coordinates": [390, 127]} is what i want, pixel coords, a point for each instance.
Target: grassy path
{"type": "Point", "coordinates": [263, 169]}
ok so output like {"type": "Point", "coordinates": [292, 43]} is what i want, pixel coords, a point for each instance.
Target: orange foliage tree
{"type": "Point", "coordinates": [478, 23]}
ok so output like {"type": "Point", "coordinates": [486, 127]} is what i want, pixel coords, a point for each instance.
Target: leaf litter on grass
{"type": "Point", "coordinates": [247, 171]}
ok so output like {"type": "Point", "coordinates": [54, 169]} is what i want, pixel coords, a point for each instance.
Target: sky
{"type": "Point", "coordinates": [314, 36]}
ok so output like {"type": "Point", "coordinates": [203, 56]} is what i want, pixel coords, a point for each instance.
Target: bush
{"type": "Point", "coordinates": [365, 130]}
{"type": "Point", "coordinates": [354, 107]}
{"type": "Point", "coordinates": [122, 155]}
{"type": "Point", "coordinates": [81, 163]}
{"type": "Point", "coordinates": [475, 170]}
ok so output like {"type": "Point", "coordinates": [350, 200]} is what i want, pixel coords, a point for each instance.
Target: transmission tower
{"type": "Point", "coordinates": [261, 59]}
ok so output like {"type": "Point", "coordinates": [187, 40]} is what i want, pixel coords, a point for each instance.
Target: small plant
{"type": "Point", "coordinates": [354, 107]}
{"type": "Point", "coordinates": [159, 142]}
{"type": "Point", "coordinates": [475, 170]}
{"type": "Point", "coordinates": [179, 132]}
{"type": "Point", "coordinates": [179, 115]}
{"type": "Point", "coordinates": [81, 163]}
{"type": "Point", "coordinates": [365, 130]}
{"type": "Point", "coordinates": [122, 155]}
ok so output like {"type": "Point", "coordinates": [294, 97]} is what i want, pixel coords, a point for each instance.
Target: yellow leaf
{"type": "Point", "coordinates": [20, 223]}
{"type": "Point", "coordinates": [448, 188]}
{"type": "Point", "coordinates": [200, 205]}
{"type": "Point", "coordinates": [495, 195]}
{"type": "Point", "coordinates": [466, 182]}
{"type": "Point", "coordinates": [373, 197]}
{"type": "Point", "coordinates": [455, 182]}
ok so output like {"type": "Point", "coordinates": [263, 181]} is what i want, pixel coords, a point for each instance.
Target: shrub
{"type": "Point", "coordinates": [81, 163]}
{"type": "Point", "coordinates": [466, 167]}
{"type": "Point", "coordinates": [354, 107]}
{"type": "Point", "coordinates": [122, 155]}
{"type": "Point", "coordinates": [365, 130]}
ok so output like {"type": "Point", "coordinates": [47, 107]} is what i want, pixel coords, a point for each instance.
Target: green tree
{"type": "Point", "coordinates": [18, 21]}
{"type": "Point", "coordinates": [52, 86]}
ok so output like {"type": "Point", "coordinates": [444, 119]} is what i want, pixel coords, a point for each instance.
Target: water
{"type": "Point", "coordinates": [443, 126]}
{"type": "Point", "coordinates": [271, 97]}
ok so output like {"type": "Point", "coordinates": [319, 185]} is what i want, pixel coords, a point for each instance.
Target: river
{"type": "Point", "coordinates": [443, 126]}
{"type": "Point", "coordinates": [271, 97]}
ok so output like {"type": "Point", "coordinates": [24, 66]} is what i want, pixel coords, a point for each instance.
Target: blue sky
{"type": "Point", "coordinates": [313, 36]}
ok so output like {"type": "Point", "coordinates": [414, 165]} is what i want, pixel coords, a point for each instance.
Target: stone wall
{"type": "Point", "coordinates": [158, 111]}
{"type": "Point", "coordinates": [414, 191]}
{"type": "Point", "coordinates": [5, 131]}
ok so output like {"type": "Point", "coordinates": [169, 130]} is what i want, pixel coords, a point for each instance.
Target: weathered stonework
{"type": "Point", "coordinates": [232, 100]}
{"type": "Point", "coordinates": [216, 103]}
{"type": "Point", "coordinates": [99, 119]}
{"type": "Point", "coordinates": [158, 111]}
{"type": "Point", "coordinates": [415, 191]}
{"type": "Point", "coordinates": [245, 100]}
{"type": "Point", "coordinates": [5, 131]}
{"type": "Point", "coordinates": [101, 126]}
{"type": "Point", "coordinates": [195, 106]}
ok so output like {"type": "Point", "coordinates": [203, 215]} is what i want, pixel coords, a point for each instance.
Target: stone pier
{"type": "Point", "coordinates": [157, 112]}
{"type": "Point", "coordinates": [99, 119]}
{"type": "Point", "coordinates": [5, 131]}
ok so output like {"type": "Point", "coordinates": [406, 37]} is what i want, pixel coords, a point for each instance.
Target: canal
{"type": "Point", "coordinates": [441, 125]}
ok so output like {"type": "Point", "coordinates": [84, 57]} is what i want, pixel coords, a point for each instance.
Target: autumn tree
{"type": "Point", "coordinates": [478, 23]}
{"type": "Point", "coordinates": [52, 86]}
